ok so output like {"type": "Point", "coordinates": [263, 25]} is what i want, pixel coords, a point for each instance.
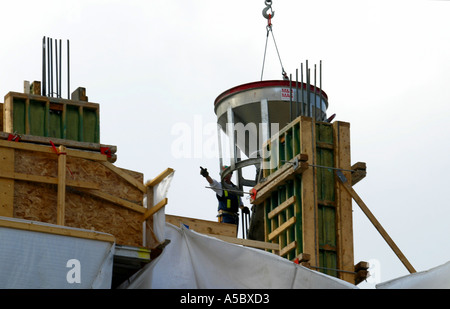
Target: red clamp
{"type": "Point", "coordinates": [106, 151]}
{"type": "Point", "coordinates": [56, 149]}
{"type": "Point", "coordinates": [14, 137]}
{"type": "Point", "coordinates": [253, 193]}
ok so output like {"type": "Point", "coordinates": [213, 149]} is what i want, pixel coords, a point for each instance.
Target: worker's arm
{"type": "Point", "coordinates": [209, 179]}
{"type": "Point", "coordinates": [215, 185]}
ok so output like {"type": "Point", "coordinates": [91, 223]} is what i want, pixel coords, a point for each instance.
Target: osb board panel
{"type": "Point", "coordinates": [45, 164]}
{"type": "Point", "coordinates": [37, 201]}
{"type": "Point", "coordinates": [1, 116]}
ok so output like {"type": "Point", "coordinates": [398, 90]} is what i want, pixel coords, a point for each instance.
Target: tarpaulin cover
{"type": "Point", "coordinates": [196, 261]}
{"type": "Point", "coordinates": [159, 218]}
{"type": "Point", "coordinates": [35, 260]}
{"type": "Point", "coordinates": [435, 278]}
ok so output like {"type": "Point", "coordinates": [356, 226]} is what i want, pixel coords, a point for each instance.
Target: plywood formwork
{"type": "Point", "coordinates": [306, 210]}
{"type": "Point", "coordinates": [51, 117]}
{"type": "Point", "coordinates": [74, 188]}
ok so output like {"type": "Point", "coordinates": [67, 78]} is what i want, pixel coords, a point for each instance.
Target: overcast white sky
{"type": "Point", "coordinates": [155, 65]}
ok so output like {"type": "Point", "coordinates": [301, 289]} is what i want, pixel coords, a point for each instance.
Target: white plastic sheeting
{"type": "Point", "coordinates": [435, 278]}
{"type": "Point", "coordinates": [195, 261]}
{"type": "Point", "coordinates": [159, 219]}
{"type": "Point", "coordinates": [35, 260]}
{"type": "Point", "coordinates": [157, 229]}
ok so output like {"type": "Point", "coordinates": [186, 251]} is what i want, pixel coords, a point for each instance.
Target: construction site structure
{"type": "Point", "coordinates": [58, 180]}
{"type": "Point", "coordinates": [299, 204]}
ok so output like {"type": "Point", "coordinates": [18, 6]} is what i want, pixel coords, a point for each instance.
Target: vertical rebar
{"type": "Point", "coordinates": [56, 67]}
{"type": "Point", "coordinates": [308, 99]}
{"type": "Point", "coordinates": [303, 92]}
{"type": "Point", "coordinates": [44, 93]}
{"type": "Point", "coordinates": [48, 66]}
{"type": "Point", "coordinates": [68, 71]}
{"type": "Point", "coordinates": [60, 65]}
{"type": "Point", "coordinates": [290, 96]}
{"type": "Point", "coordinates": [315, 91]}
{"type": "Point", "coordinates": [296, 93]}
{"type": "Point", "coordinates": [320, 86]}
{"type": "Point", "coordinates": [51, 67]}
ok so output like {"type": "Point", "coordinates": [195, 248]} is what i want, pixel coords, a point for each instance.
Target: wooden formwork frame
{"type": "Point", "coordinates": [293, 222]}
{"type": "Point", "coordinates": [8, 177]}
{"type": "Point", "coordinates": [41, 122]}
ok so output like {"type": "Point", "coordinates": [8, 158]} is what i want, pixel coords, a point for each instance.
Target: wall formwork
{"type": "Point", "coordinates": [306, 210]}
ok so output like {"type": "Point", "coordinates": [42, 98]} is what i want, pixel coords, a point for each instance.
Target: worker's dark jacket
{"type": "Point", "coordinates": [229, 201]}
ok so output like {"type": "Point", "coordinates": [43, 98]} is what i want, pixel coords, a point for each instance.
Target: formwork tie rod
{"type": "Point", "coordinates": [334, 269]}
{"type": "Point", "coordinates": [331, 168]}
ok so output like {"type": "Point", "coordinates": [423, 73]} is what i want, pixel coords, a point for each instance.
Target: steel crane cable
{"type": "Point", "coordinates": [269, 17]}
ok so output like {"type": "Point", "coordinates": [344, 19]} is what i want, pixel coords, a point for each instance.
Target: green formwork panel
{"type": "Point", "coordinates": [53, 117]}
{"type": "Point", "coordinates": [289, 147]}
{"type": "Point", "coordinates": [73, 123]}
{"type": "Point", "coordinates": [56, 124]}
{"type": "Point", "coordinates": [328, 262]}
{"type": "Point", "coordinates": [19, 116]}
{"type": "Point", "coordinates": [37, 118]}
{"type": "Point", "coordinates": [90, 125]}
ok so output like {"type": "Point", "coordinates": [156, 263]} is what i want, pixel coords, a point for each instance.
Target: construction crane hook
{"type": "Point", "coordinates": [267, 8]}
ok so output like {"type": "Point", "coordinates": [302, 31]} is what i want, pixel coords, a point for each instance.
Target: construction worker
{"type": "Point", "coordinates": [229, 200]}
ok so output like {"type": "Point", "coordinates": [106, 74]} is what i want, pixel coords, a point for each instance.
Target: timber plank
{"type": "Point", "coordinates": [287, 172]}
{"type": "Point", "coordinates": [204, 226]}
{"type": "Point", "coordinates": [46, 149]}
{"type": "Point", "coordinates": [61, 195]}
{"type": "Point", "coordinates": [281, 207]}
{"type": "Point", "coordinates": [6, 185]}
{"type": "Point", "coordinates": [344, 210]}
{"type": "Point", "coordinates": [46, 228]}
{"type": "Point", "coordinates": [282, 228]}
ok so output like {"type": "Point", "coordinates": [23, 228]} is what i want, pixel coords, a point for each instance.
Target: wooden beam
{"type": "Point", "coordinates": [246, 242]}
{"type": "Point", "coordinates": [159, 178]}
{"type": "Point", "coordinates": [35, 226]}
{"type": "Point", "coordinates": [43, 140]}
{"type": "Point", "coordinates": [359, 172]}
{"type": "Point", "coordinates": [154, 209]}
{"type": "Point", "coordinates": [46, 149]}
{"type": "Point", "coordinates": [344, 212]}
{"type": "Point", "coordinates": [288, 248]}
{"type": "Point", "coordinates": [285, 173]}
{"type": "Point", "coordinates": [309, 216]}
{"type": "Point", "coordinates": [281, 228]}
{"type": "Point", "coordinates": [49, 180]}
{"type": "Point", "coordinates": [6, 185]}
{"type": "Point", "coordinates": [130, 179]}
{"type": "Point", "coordinates": [362, 273]}
{"type": "Point", "coordinates": [282, 207]}
{"type": "Point", "coordinates": [115, 200]}
{"type": "Point", "coordinates": [375, 222]}
{"type": "Point", "coordinates": [204, 226]}
{"type": "Point", "coordinates": [61, 197]}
